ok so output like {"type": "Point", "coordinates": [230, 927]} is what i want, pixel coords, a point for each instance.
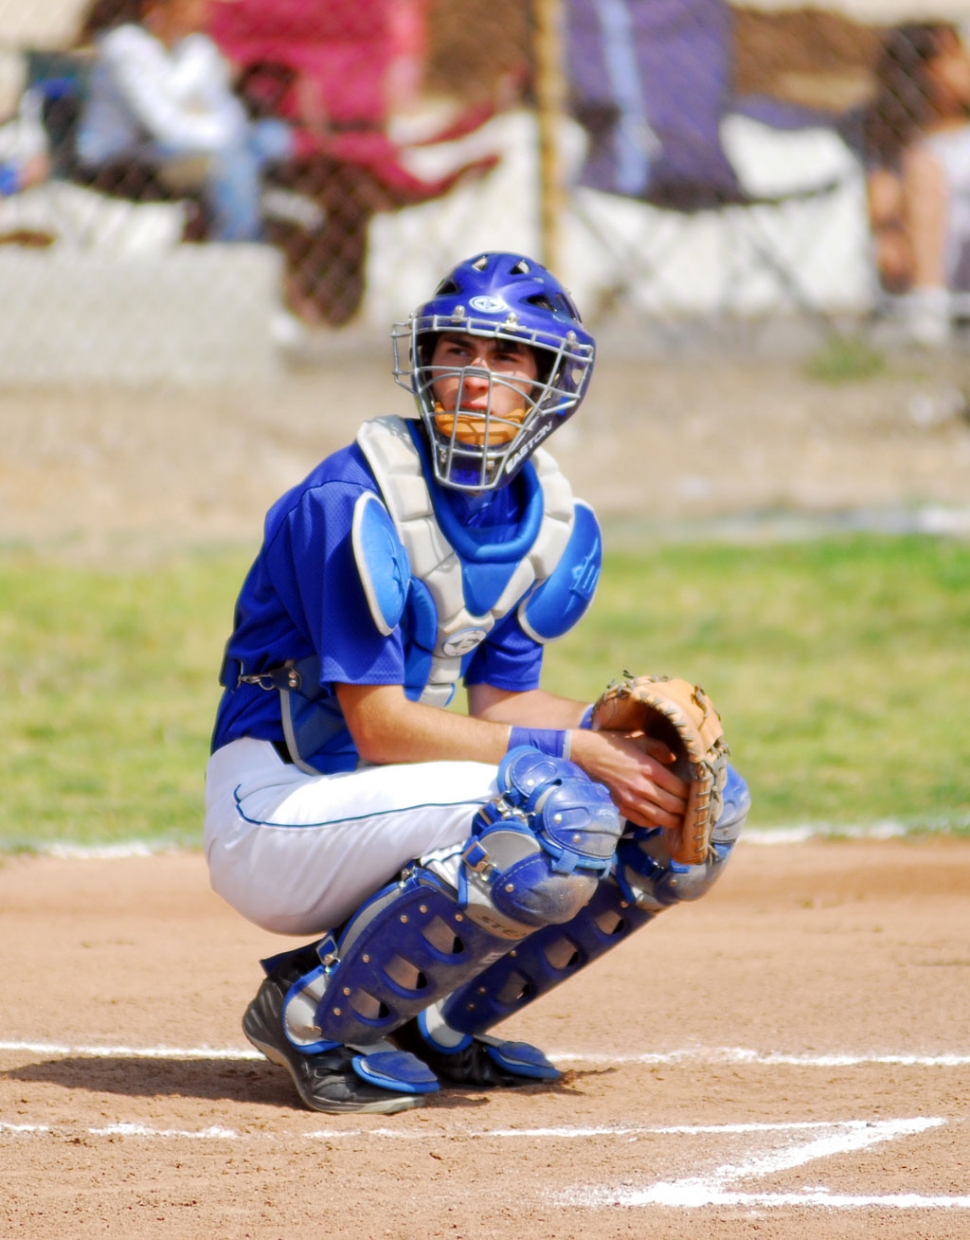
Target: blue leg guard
{"type": "Point", "coordinates": [643, 883]}
{"type": "Point", "coordinates": [534, 858]}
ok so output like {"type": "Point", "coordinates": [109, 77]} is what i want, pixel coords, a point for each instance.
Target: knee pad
{"type": "Point", "coordinates": [648, 877]}
{"type": "Point", "coordinates": [537, 853]}
{"type": "Point", "coordinates": [534, 858]}
{"type": "Point", "coordinates": [644, 882]}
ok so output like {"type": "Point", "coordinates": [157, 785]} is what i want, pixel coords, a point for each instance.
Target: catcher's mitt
{"type": "Point", "coordinates": [682, 716]}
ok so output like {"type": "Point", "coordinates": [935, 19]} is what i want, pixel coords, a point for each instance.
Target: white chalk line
{"type": "Point", "coordinates": [133, 1052]}
{"type": "Point", "coordinates": [716, 1189]}
{"type": "Point", "coordinates": [105, 852]}
{"type": "Point", "coordinates": [122, 1130]}
{"type": "Point", "coordinates": [558, 1133]}
{"type": "Point", "coordinates": [770, 1059]}
{"type": "Point", "coordinates": [792, 833]}
{"type": "Point", "coordinates": [828, 1139]}
{"type": "Point", "coordinates": [699, 1054]}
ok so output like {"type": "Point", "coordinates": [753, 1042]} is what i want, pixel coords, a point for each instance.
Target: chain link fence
{"type": "Point", "coordinates": [195, 189]}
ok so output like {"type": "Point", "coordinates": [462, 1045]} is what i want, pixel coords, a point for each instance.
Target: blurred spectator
{"type": "Point", "coordinates": [24, 159]}
{"type": "Point", "coordinates": [161, 95]}
{"type": "Point", "coordinates": [338, 72]}
{"type": "Point", "coordinates": [293, 148]}
{"type": "Point", "coordinates": [917, 139]}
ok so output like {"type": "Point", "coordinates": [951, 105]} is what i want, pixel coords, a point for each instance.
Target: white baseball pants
{"type": "Point", "coordinates": [298, 854]}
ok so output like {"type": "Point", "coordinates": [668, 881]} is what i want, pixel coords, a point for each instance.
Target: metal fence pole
{"type": "Point", "coordinates": [550, 99]}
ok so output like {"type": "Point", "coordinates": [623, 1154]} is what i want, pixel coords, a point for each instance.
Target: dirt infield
{"type": "Point", "coordinates": [787, 1058]}
{"type": "Point", "coordinates": [101, 472]}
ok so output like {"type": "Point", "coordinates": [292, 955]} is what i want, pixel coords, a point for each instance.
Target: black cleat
{"type": "Point", "coordinates": [477, 1061]}
{"type": "Point", "coordinates": [341, 1080]}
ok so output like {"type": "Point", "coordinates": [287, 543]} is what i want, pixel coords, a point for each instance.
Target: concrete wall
{"type": "Point", "coordinates": [197, 314]}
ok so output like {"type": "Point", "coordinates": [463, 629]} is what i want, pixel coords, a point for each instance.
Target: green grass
{"type": "Point", "coordinates": [841, 668]}
{"type": "Point", "coordinates": [107, 694]}
{"type": "Point", "coordinates": [846, 359]}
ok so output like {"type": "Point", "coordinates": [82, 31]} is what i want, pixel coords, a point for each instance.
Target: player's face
{"type": "Point", "coordinates": [180, 18]}
{"type": "Point", "coordinates": [949, 74]}
{"type": "Point", "coordinates": [478, 359]}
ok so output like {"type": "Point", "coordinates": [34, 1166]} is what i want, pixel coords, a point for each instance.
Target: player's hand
{"type": "Point", "coordinates": [635, 769]}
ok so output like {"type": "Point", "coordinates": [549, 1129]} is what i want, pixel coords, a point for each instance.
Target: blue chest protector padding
{"type": "Point", "coordinates": [422, 623]}
{"type": "Point", "coordinates": [563, 598]}
{"type": "Point", "coordinates": [382, 562]}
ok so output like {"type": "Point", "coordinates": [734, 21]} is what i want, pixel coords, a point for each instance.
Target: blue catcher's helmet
{"type": "Point", "coordinates": [504, 297]}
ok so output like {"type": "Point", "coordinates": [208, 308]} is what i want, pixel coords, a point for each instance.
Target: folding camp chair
{"type": "Point", "coordinates": [350, 63]}
{"type": "Point", "coordinates": [651, 85]}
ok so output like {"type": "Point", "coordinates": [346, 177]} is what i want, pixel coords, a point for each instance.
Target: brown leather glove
{"type": "Point", "coordinates": [682, 716]}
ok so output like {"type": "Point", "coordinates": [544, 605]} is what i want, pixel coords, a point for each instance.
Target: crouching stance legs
{"type": "Point", "coordinates": [534, 858]}
{"type": "Point", "coordinates": [451, 1035]}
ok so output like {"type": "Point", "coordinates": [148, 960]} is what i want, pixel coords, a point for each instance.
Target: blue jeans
{"type": "Point", "coordinates": [233, 180]}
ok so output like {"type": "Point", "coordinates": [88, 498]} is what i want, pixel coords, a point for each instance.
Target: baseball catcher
{"type": "Point", "coordinates": [446, 869]}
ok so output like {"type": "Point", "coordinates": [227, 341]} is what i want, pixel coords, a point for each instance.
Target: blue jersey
{"type": "Point", "coordinates": [304, 596]}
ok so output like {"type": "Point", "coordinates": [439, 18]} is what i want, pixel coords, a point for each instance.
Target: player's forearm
{"type": "Point", "coordinates": [533, 709]}
{"type": "Point", "coordinates": [387, 728]}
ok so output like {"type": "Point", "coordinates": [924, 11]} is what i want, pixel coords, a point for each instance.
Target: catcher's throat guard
{"type": "Point", "coordinates": [682, 716]}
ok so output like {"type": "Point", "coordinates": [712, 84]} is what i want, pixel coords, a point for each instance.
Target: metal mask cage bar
{"type": "Point", "coordinates": [568, 358]}
{"type": "Point", "coordinates": [565, 363]}
{"type": "Point", "coordinates": [565, 343]}
{"type": "Point", "coordinates": [486, 456]}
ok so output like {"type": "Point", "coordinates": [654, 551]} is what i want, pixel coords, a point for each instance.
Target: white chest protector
{"type": "Point", "coordinates": [448, 575]}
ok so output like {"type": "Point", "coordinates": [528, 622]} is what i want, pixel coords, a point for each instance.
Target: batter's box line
{"type": "Point", "coordinates": [717, 1188]}
{"type": "Point", "coordinates": [744, 1055]}
{"type": "Point", "coordinates": [569, 1132]}
{"type": "Point", "coordinates": [691, 1193]}
{"type": "Point", "coordinates": [735, 1055]}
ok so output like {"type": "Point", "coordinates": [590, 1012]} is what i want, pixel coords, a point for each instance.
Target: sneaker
{"type": "Point", "coordinates": [926, 314]}
{"type": "Point", "coordinates": [476, 1061]}
{"type": "Point", "coordinates": [375, 1080]}
{"type": "Point", "coordinates": [290, 335]}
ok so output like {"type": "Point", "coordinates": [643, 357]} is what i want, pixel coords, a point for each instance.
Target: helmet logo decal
{"type": "Point", "coordinates": [488, 305]}
{"type": "Point", "coordinates": [516, 459]}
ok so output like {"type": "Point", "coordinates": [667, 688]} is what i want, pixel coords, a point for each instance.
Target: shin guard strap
{"type": "Point", "coordinates": [407, 947]}
{"type": "Point", "coordinates": [544, 960]}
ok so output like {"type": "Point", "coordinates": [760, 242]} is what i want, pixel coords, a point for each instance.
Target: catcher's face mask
{"type": "Point", "coordinates": [497, 361]}
{"type": "Point", "coordinates": [481, 388]}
